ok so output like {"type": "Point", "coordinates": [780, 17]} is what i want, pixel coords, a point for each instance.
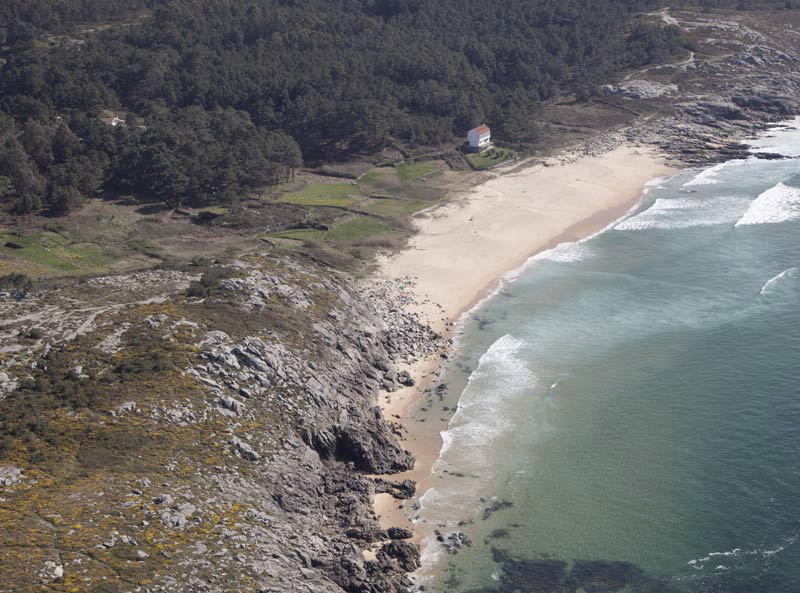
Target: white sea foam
{"type": "Point", "coordinates": [770, 285]}
{"type": "Point", "coordinates": [771, 553]}
{"type": "Point", "coordinates": [789, 541]}
{"type": "Point", "coordinates": [778, 204]}
{"type": "Point", "coordinates": [657, 183]}
{"type": "Point", "coordinates": [572, 251]}
{"type": "Point", "coordinates": [431, 497]}
{"type": "Point", "coordinates": [679, 213]}
{"type": "Point", "coordinates": [711, 176]}
{"type": "Point", "coordinates": [784, 139]}
{"type": "Point", "coordinates": [566, 253]}
{"type": "Point", "coordinates": [738, 554]}
{"type": "Point", "coordinates": [432, 552]}
{"type": "Point", "coordinates": [706, 176]}
{"type": "Point", "coordinates": [485, 412]}
{"type": "Point", "coordinates": [734, 552]}
{"type": "Point", "coordinates": [484, 408]}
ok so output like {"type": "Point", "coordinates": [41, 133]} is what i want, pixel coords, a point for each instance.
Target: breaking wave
{"type": "Point", "coordinates": [710, 176]}
{"type": "Point", "coordinates": [706, 176]}
{"type": "Point", "coordinates": [685, 213]}
{"type": "Point", "coordinates": [778, 204]}
{"type": "Point", "coordinates": [485, 407]}
{"type": "Point", "coordinates": [769, 285]}
{"type": "Point", "coordinates": [566, 253]}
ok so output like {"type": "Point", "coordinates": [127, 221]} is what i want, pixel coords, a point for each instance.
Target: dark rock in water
{"type": "Point", "coordinates": [770, 156]}
{"type": "Point", "coordinates": [483, 323]}
{"type": "Point", "coordinates": [533, 576]}
{"type": "Point", "coordinates": [453, 542]}
{"type": "Point", "coordinates": [497, 505]}
{"type": "Point", "coordinates": [600, 576]}
{"type": "Point", "coordinates": [546, 575]}
{"type": "Point", "coordinates": [399, 533]}
{"type": "Point", "coordinates": [496, 534]}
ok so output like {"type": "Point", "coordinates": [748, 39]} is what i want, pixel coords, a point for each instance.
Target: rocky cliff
{"type": "Point", "coordinates": [157, 441]}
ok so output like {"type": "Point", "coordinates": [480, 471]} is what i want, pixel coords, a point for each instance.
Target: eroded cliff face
{"type": "Point", "coordinates": [152, 441]}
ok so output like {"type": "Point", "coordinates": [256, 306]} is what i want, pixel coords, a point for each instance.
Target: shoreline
{"type": "Point", "coordinates": [465, 248]}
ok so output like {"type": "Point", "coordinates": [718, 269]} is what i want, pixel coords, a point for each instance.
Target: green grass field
{"type": "Point", "coordinates": [411, 171]}
{"type": "Point", "coordinates": [47, 253]}
{"type": "Point", "coordinates": [378, 176]}
{"type": "Point", "coordinates": [345, 230]}
{"type": "Point", "coordinates": [395, 178]}
{"type": "Point", "coordinates": [340, 195]}
{"type": "Point", "coordinates": [356, 228]}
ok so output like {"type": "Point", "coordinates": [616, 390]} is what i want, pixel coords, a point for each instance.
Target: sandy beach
{"type": "Point", "coordinates": [464, 247]}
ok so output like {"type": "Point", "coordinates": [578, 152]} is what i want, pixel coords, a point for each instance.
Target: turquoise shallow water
{"type": "Point", "coordinates": [630, 404]}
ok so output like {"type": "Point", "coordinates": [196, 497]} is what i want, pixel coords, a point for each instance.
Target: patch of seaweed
{"type": "Point", "coordinates": [547, 575]}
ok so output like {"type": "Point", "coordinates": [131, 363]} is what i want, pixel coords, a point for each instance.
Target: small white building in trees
{"type": "Point", "coordinates": [480, 138]}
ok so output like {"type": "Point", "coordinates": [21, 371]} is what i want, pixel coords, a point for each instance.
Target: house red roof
{"type": "Point", "coordinates": [482, 129]}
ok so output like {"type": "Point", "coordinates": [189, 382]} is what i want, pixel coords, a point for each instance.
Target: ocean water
{"type": "Point", "coordinates": [628, 413]}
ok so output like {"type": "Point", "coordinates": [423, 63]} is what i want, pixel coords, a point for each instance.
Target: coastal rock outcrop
{"type": "Point", "coordinates": [227, 437]}
{"type": "Point", "coordinates": [639, 89]}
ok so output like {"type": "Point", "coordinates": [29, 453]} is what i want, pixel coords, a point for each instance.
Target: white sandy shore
{"type": "Point", "coordinates": [464, 247]}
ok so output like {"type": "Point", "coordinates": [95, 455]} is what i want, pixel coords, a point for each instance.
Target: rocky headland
{"type": "Point", "coordinates": [156, 441]}
{"type": "Point", "coordinates": [743, 75]}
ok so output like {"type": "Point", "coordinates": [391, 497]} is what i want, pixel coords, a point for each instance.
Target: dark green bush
{"type": "Point", "coordinates": [197, 291]}
{"type": "Point", "coordinates": [34, 333]}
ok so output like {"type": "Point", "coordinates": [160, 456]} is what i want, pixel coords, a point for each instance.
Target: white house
{"type": "Point", "coordinates": [479, 138]}
{"type": "Point", "coordinates": [114, 119]}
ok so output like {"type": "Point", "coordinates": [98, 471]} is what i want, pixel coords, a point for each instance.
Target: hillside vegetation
{"type": "Point", "coordinates": [219, 98]}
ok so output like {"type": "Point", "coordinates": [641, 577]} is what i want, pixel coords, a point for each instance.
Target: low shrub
{"type": "Point", "coordinates": [18, 282]}
{"type": "Point", "coordinates": [34, 333]}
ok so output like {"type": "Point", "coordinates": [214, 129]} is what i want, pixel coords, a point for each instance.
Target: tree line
{"type": "Point", "coordinates": [222, 97]}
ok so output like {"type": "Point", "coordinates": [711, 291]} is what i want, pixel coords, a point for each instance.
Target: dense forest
{"type": "Point", "coordinates": [220, 97]}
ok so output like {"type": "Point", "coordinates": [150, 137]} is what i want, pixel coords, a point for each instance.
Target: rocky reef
{"type": "Point", "coordinates": [154, 441]}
